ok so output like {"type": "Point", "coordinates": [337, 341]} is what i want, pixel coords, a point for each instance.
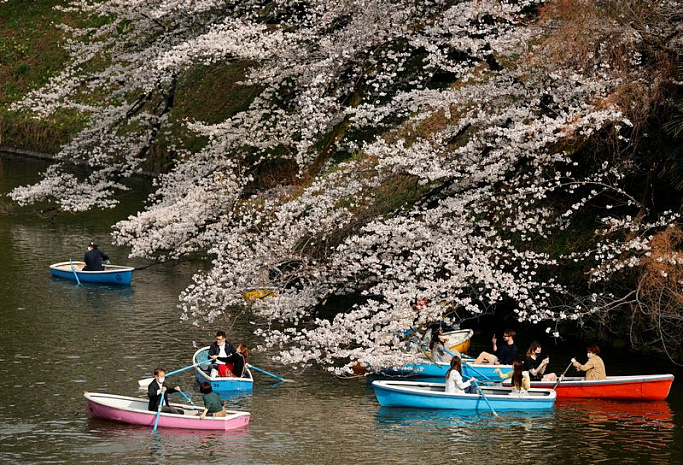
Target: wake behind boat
{"type": "Point", "coordinates": [112, 274]}
{"type": "Point", "coordinates": [414, 394]}
{"type": "Point", "coordinates": [635, 387]}
{"type": "Point", "coordinates": [134, 411]}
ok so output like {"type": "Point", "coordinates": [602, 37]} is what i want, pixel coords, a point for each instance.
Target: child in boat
{"type": "Point", "coordinates": [503, 355]}
{"type": "Point", "coordinates": [155, 389]}
{"type": "Point", "coordinates": [213, 406]}
{"type": "Point", "coordinates": [454, 382]}
{"type": "Point", "coordinates": [520, 378]}
{"type": "Point", "coordinates": [594, 367]}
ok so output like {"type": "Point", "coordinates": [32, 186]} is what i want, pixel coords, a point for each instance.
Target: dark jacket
{"type": "Point", "coordinates": [507, 353]}
{"type": "Point", "coordinates": [238, 364]}
{"type": "Point", "coordinates": [154, 397]}
{"type": "Point", "coordinates": [229, 350]}
{"type": "Point", "coordinates": [93, 260]}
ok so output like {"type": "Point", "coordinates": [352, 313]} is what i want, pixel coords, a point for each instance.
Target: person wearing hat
{"type": "Point", "coordinates": [94, 258]}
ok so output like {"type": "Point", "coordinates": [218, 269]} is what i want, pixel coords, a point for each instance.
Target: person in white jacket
{"type": "Point", "coordinates": [454, 382]}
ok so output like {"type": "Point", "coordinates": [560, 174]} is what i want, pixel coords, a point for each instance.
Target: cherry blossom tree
{"type": "Point", "coordinates": [442, 149]}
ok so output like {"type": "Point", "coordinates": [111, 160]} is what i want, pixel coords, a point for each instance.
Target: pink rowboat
{"type": "Point", "coordinates": [636, 387]}
{"type": "Point", "coordinates": [134, 411]}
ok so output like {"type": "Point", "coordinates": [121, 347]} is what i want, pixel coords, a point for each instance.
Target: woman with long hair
{"type": "Point", "coordinates": [454, 382]}
{"type": "Point", "coordinates": [520, 378]}
{"type": "Point", "coordinates": [537, 366]}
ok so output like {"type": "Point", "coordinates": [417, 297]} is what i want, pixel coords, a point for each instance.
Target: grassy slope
{"type": "Point", "coordinates": [29, 55]}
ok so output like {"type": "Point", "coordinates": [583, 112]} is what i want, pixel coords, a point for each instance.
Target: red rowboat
{"type": "Point", "coordinates": [637, 387]}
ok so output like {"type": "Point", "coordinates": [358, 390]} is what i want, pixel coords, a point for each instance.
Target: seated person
{"type": "Point", "coordinates": [454, 382]}
{"type": "Point", "coordinates": [213, 405]}
{"type": "Point", "coordinates": [594, 367]}
{"type": "Point", "coordinates": [93, 258]}
{"type": "Point", "coordinates": [154, 391]}
{"type": "Point", "coordinates": [520, 379]}
{"type": "Point", "coordinates": [220, 351]}
{"type": "Point", "coordinates": [503, 355]}
{"type": "Point", "coordinates": [436, 343]}
{"type": "Point", "coordinates": [537, 366]}
{"type": "Point", "coordinates": [239, 361]}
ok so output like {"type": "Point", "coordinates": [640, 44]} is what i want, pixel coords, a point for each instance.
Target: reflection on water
{"type": "Point", "coordinates": [59, 339]}
{"type": "Point", "coordinates": [91, 290]}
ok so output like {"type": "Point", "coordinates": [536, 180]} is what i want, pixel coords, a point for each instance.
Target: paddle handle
{"type": "Point", "coordinates": [145, 381]}
{"type": "Point", "coordinates": [562, 375]}
{"type": "Point", "coordinates": [265, 372]}
{"type": "Point", "coordinates": [469, 365]}
{"type": "Point", "coordinates": [483, 396]}
{"type": "Point", "coordinates": [180, 370]}
{"type": "Point", "coordinates": [73, 268]}
{"type": "Point", "coordinates": [156, 420]}
{"type": "Point", "coordinates": [185, 396]}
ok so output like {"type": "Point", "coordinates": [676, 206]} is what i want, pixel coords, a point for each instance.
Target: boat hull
{"type": "Point", "coordinates": [221, 385]}
{"type": "Point", "coordinates": [134, 411]}
{"type": "Point", "coordinates": [459, 340]}
{"type": "Point", "coordinates": [646, 387]}
{"type": "Point", "coordinates": [257, 293]}
{"type": "Point", "coordinates": [112, 274]}
{"type": "Point", "coordinates": [433, 396]}
{"type": "Point", "coordinates": [482, 372]}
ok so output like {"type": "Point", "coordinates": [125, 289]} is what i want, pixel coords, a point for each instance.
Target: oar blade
{"type": "Point", "coordinates": [143, 383]}
{"type": "Point", "coordinates": [249, 365]}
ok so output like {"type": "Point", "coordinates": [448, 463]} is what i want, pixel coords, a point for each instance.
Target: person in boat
{"type": "Point", "coordinates": [213, 405]}
{"type": "Point", "coordinates": [155, 389]}
{"type": "Point", "coordinates": [437, 343]}
{"type": "Point", "coordinates": [594, 367]}
{"type": "Point", "coordinates": [454, 382]}
{"type": "Point", "coordinates": [221, 352]}
{"type": "Point", "coordinates": [503, 355]}
{"type": "Point", "coordinates": [520, 378]}
{"type": "Point", "coordinates": [536, 366]}
{"type": "Point", "coordinates": [239, 361]}
{"type": "Point", "coordinates": [93, 258]}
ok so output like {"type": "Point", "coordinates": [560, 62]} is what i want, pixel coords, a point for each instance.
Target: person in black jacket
{"type": "Point", "coordinates": [155, 389]}
{"type": "Point", "coordinates": [94, 258]}
{"type": "Point", "coordinates": [239, 361]}
{"type": "Point", "coordinates": [221, 352]}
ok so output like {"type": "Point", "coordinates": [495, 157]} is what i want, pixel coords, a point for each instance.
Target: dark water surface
{"type": "Point", "coordinates": [58, 340]}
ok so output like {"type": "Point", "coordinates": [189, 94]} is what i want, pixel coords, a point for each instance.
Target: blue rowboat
{"type": "Point", "coordinates": [482, 372]}
{"type": "Point", "coordinates": [415, 394]}
{"type": "Point", "coordinates": [220, 384]}
{"type": "Point", "coordinates": [112, 274]}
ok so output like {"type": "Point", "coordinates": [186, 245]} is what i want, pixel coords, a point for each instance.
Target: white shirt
{"type": "Point", "coordinates": [221, 353]}
{"type": "Point", "coordinates": [454, 383]}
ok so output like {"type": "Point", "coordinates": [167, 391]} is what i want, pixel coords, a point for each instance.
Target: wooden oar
{"type": "Point", "coordinates": [74, 270]}
{"type": "Point", "coordinates": [145, 382]}
{"type": "Point", "coordinates": [156, 420]}
{"type": "Point", "coordinates": [483, 396]}
{"type": "Point", "coordinates": [249, 365]}
{"type": "Point", "coordinates": [562, 375]}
